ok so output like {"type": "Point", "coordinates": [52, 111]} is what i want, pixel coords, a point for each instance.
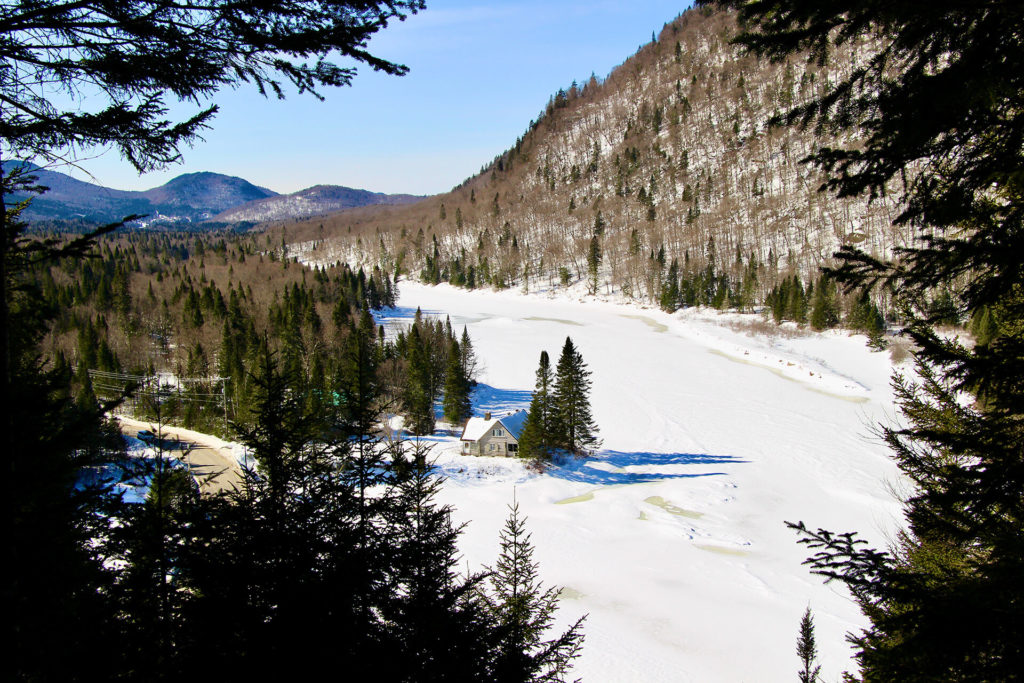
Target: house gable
{"type": "Point", "coordinates": [497, 436]}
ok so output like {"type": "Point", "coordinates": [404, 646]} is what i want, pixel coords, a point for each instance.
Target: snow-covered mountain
{"type": "Point", "coordinates": [313, 201]}
{"type": "Point", "coordinates": [671, 157]}
{"type": "Point", "coordinates": [188, 198]}
{"type": "Point", "coordinates": [191, 198]}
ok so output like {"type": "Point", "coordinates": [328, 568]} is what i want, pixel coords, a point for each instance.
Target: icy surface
{"type": "Point", "coordinates": [672, 538]}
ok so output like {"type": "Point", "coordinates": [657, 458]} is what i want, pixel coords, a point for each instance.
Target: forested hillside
{"type": "Point", "coordinates": [200, 308]}
{"type": "Point", "coordinates": [663, 182]}
{"type": "Point", "coordinates": [186, 318]}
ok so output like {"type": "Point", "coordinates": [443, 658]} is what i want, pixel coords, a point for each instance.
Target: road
{"type": "Point", "coordinates": [209, 460]}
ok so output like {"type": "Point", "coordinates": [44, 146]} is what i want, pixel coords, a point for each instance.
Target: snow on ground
{"type": "Point", "coordinates": [672, 539]}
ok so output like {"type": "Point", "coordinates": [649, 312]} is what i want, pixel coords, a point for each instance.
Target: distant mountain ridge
{"type": "Point", "coordinates": [319, 199]}
{"type": "Point", "coordinates": [208, 191]}
{"type": "Point", "coordinates": [191, 198]}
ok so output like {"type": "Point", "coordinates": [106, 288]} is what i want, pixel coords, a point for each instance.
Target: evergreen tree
{"type": "Point", "coordinates": [807, 650]}
{"type": "Point", "coordinates": [593, 262]}
{"type": "Point", "coordinates": [276, 567]}
{"type": "Point", "coordinates": [865, 317]}
{"type": "Point", "coordinates": [523, 611]}
{"type": "Point", "coordinates": [358, 388]}
{"type": "Point", "coordinates": [824, 305]}
{"type": "Point", "coordinates": [457, 407]}
{"type": "Point", "coordinates": [796, 306]}
{"type": "Point", "coordinates": [540, 428]}
{"type": "Point", "coordinates": [575, 426]}
{"type": "Point", "coordinates": [945, 603]}
{"type": "Point", "coordinates": [670, 295]}
{"type": "Point", "coordinates": [59, 582]}
{"type": "Point", "coordinates": [152, 536]}
{"type": "Point", "coordinates": [364, 469]}
{"type": "Point", "coordinates": [419, 400]}
{"type": "Point", "coordinates": [438, 622]}
{"type": "Point", "coordinates": [468, 357]}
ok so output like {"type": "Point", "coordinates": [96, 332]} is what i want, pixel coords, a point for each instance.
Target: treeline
{"type": "Point", "coordinates": [699, 282]}
{"type": "Point", "coordinates": [198, 311]}
{"type": "Point", "coordinates": [199, 307]}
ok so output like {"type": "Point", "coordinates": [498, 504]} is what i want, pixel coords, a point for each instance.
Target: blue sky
{"type": "Point", "coordinates": [479, 72]}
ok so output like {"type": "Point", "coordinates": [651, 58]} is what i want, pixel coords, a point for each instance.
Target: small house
{"type": "Point", "coordinates": [493, 436]}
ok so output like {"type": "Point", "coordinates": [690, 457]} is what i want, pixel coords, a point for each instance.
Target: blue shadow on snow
{"type": "Point", "coordinates": [608, 467]}
{"type": "Point", "coordinates": [498, 402]}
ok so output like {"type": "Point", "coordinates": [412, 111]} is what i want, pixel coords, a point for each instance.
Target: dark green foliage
{"type": "Point", "coordinates": [467, 357]}
{"type": "Point", "coordinates": [984, 326]}
{"type": "Point", "coordinates": [593, 262]}
{"type": "Point", "coordinates": [575, 430]}
{"type": "Point", "coordinates": [432, 363]}
{"type": "Point", "coordinates": [56, 495]}
{"type": "Point", "coordinates": [865, 317]}
{"type": "Point", "coordinates": [788, 301]}
{"type": "Point", "coordinates": [358, 386]}
{"type": "Point", "coordinates": [523, 611]}
{"type": "Point", "coordinates": [419, 393]}
{"type": "Point", "coordinates": [807, 650]}
{"type": "Point", "coordinates": [670, 295]}
{"type": "Point", "coordinates": [457, 407]}
{"type": "Point", "coordinates": [824, 305]}
{"type": "Point", "coordinates": [307, 322]}
{"type": "Point", "coordinates": [539, 434]}
{"type": "Point", "coordinates": [440, 630]}
{"type": "Point", "coordinates": [942, 309]}
{"type": "Point", "coordinates": [938, 105]}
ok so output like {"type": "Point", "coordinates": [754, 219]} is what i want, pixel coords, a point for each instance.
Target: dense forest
{"type": "Point", "coordinates": [179, 320]}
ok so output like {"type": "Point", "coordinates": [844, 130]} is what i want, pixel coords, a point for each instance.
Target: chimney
{"type": "Point", "coordinates": [487, 416]}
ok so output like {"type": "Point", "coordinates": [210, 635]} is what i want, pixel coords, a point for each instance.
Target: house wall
{"type": "Point", "coordinates": [500, 443]}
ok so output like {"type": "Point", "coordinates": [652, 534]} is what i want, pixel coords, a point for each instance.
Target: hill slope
{"type": "Point", "coordinates": [669, 158]}
{"type": "Point", "coordinates": [312, 201]}
{"type": "Point", "coordinates": [210, 192]}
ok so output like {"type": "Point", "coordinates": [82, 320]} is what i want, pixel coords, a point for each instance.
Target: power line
{"type": "Point", "coordinates": [161, 387]}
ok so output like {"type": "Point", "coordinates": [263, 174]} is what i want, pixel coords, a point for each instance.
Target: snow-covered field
{"type": "Point", "coordinates": [672, 539]}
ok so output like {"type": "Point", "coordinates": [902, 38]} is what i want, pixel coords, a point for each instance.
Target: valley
{"type": "Point", "coordinates": [672, 537]}
{"type": "Point", "coordinates": [778, 249]}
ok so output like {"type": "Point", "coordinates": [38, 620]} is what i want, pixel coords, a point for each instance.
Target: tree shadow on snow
{"type": "Point", "coordinates": [498, 402]}
{"type": "Point", "coordinates": [400, 318]}
{"type": "Point", "coordinates": [403, 314]}
{"type": "Point", "coordinates": [616, 467]}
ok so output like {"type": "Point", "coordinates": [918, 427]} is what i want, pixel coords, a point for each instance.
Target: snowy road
{"type": "Point", "coordinates": [207, 457]}
{"type": "Point", "coordinates": [673, 539]}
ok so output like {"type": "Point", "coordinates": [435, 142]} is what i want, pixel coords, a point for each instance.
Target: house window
{"type": "Point", "coordinates": [491, 448]}
{"type": "Point", "coordinates": [497, 432]}
{"type": "Point", "coordinates": [513, 447]}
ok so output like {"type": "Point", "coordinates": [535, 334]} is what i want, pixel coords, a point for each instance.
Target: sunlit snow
{"type": "Point", "coordinates": [672, 538]}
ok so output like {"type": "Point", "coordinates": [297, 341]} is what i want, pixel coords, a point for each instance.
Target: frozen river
{"type": "Point", "coordinates": [672, 538]}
